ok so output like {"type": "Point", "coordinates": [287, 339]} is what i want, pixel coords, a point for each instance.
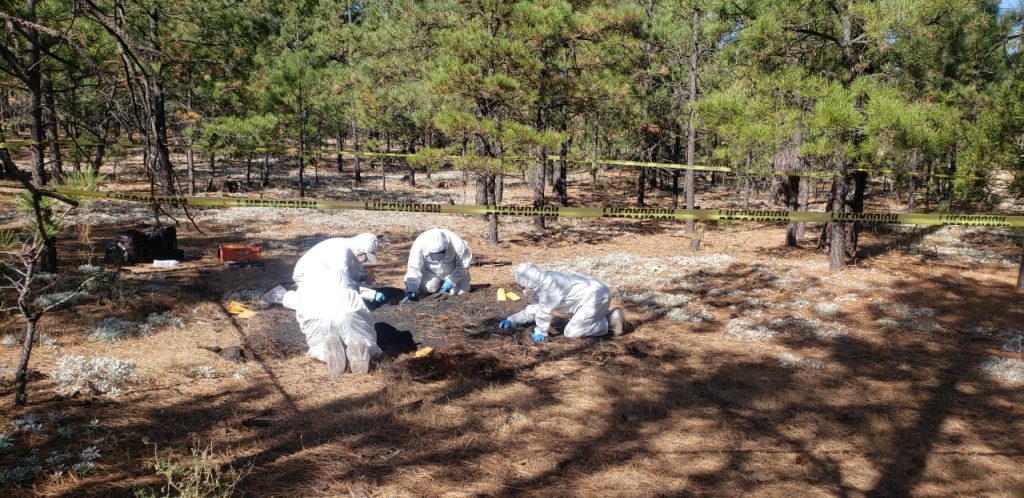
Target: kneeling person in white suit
{"type": "Point", "coordinates": [586, 298]}
{"type": "Point", "coordinates": [438, 261]}
{"type": "Point", "coordinates": [336, 323]}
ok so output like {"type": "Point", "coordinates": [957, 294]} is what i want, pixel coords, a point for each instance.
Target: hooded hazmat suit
{"type": "Point", "coordinates": [586, 298]}
{"type": "Point", "coordinates": [435, 255]}
{"type": "Point", "coordinates": [337, 257]}
{"type": "Point", "coordinates": [325, 308]}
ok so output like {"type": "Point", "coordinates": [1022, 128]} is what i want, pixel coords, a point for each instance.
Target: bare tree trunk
{"type": "Point", "coordinates": [338, 140]}
{"type": "Point", "coordinates": [355, 147]}
{"type": "Point", "coordinates": [190, 160]}
{"type": "Point", "coordinates": [492, 233]}
{"type": "Point", "coordinates": [499, 188]}
{"type": "Point", "coordinates": [746, 192]}
{"type": "Point", "coordinates": [56, 164]}
{"type": "Point", "coordinates": [97, 158]}
{"type": "Point", "coordinates": [691, 130]}
{"type": "Point", "coordinates": [481, 189]}
{"type": "Point", "coordinates": [159, 115]}
{"type": "Point", "coordinates": [856, 206]}
{"type": "Point", "coordinates": [36, 104]}
{"type": "Point", "coordinates": [265, 170]}
{"type": "Point", "coordinates": [1020, 275]}
{"type": "Point", "coordinates": [302, 143]}
{"type": "Point", "coordinates": [538, 186]}
{"type": "Point", "coordinates": [248, 169]}
{"type": "Point", "coordinates": [641, 182]}
{"type": "Point", "coordinates": [560, 170]}
{"type": "Point", "coordinates": [837, 231]}
{"type": "Point", "coordinates": [213, 170]}
{"type": "Point", "coordinates": [793, 204]}
{"type": "Point", "coordinates": [805, 200]}
{"type": "Point", "coordinates": [21, 375]}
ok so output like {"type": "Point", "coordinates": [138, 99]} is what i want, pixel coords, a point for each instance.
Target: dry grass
{"type": "Point", "coordinates": [676, 408]}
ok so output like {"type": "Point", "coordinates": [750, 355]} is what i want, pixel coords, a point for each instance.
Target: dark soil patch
{"type": "Point", "coordinates": [436, 320]}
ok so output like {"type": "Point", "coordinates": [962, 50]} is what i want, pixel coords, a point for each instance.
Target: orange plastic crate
{"type": "Point", "coordinates": [239, 252]}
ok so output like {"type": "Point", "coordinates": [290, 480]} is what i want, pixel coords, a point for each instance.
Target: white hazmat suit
{"type": "Point", "coordinates": [586, 298]}
{"type": "Point", "coordinates": [327, 310]}
{"type": "Point", "coordinates": [438, 254]}
{"type": "Point", "coordinates": [338, 257]}
{"type": "Point", "coordinates": [329, 304]}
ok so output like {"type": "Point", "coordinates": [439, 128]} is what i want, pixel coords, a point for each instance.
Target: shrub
{"type": "Point", "coordinates": [112, 329]}
{"type": "Point", "coordinates": [102, 375]}
{"type": "Point", "coordinates": [193, 476]}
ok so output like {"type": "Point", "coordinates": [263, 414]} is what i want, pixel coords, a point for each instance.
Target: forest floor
{"type": "Point", "coordinates": [753, 370]}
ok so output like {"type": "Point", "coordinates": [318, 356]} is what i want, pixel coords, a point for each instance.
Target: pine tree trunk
{"type": "Point", "coordinates": [910, 193]}
{"type": "Point", "coordinates": [97, 158]}
{"type": "Point", "coordinates": [489, 191]}
{"type": "Point", "coordinates": [856, 206]}
{"type": "Point", "coordinates": [21, 375]}
{"type": "Point", "coordinates": [265, 171]}
{"type": "Point", "coordinates": [162, 160]}
{"type": "Point", "coordinates": [213, 170]}
{"type": "Point", "coordinates": [481, 189]}
{"type": "Point", "coordinates": [338, 140]}
{"type": "Point", "coordinates": [691, 130]}
{"type": "Point", "coordinates": [248, 169]}
{"type": "Point", "coordinates": [499, 188]}
{"type": "Point", "coordinates": [805, 199]}
{"type": "Point", "coordinates": [190, 161]}
{"type": "Point", "coordinates": [35, 101]}
{"type": "Point", "coordinates": [641, 182]}
{"type": "Point", "coordinates": [56, 163]}
{"type": "Point", "coordinates": [537, 184]}
{"type": "Point", "coordinates": [1020, 275]}
{"type": "Point", "coordinates": [675, 193]}
{"type": "Point", "coordinates": [560, 171]}
{"type": "Point", "coordinates": [837, 231]}
{"type": "Point", "coordinates": [793, 188]}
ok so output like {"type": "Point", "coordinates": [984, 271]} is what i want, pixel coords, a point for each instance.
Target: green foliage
{"type": "Point", "coordinates": [82, 180]}
{"type": "Point", "coordinates": [50, 226]}
{"type": "Point", "coordinates": [195, 475]}
{"type": "Point", "coordinates": [9, 240]}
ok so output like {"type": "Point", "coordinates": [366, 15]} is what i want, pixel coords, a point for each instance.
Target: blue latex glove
{"type": "Point", "coordinates": [362, 277]}
{"type": "Point", "coordinates": [538, 337]}
{"type": "Point", "coordinates": [447, 285]}
{"type": "Point", "coordinates": [505, 324]}
{"type": "Point", "coordinates": [409, 296]}
{"type": "Point", "coordinates": [379, 297]}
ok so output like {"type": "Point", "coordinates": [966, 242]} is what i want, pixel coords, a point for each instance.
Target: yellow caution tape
{"type": "Point", "coordinates": [721, 215]}
{"type": "Point", "coordinates": [609, 162]}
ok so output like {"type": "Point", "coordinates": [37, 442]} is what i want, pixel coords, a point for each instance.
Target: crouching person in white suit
{"type": "Point", "coordinates": [344, 257]}
{"type": "Point", "coordinates": [438, 261]}
{"type": "Point", "coordinates": [586, 298]}
{"type": "Point", "coordinates": [336, 323]}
